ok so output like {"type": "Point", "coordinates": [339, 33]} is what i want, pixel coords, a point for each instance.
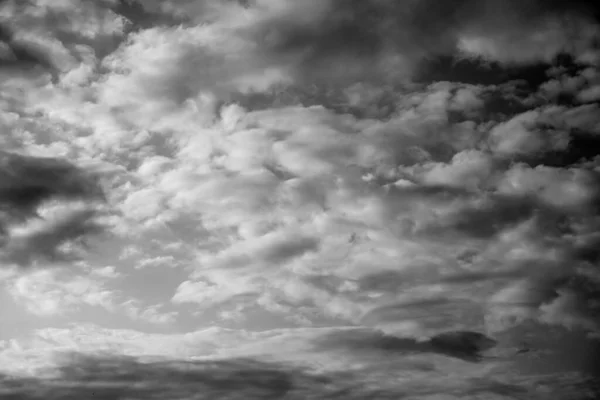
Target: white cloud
{"type": "Point", "coordinates": [59, 292]}
{"type": "Point", "coordinates": [152, 314]}
{"type": "Point", "coordinates": [206, 295]}
{"type": "Point", "coordinates": [520, 136]}
{"type": "Point", "coordinates": [158, 69]}
{"type": "Point", "coordinates": [590, 94]}
{"type": "Point", "coordinates": [108, 272]}
{"type": "Point", "coordinates": [48, 293]}
{"type": "Point", "coordinates": [571, 310]}
{"type": "Point", "coordinates": [264, 256]}
{"type": "Point", "coordinates": [569, 188]}
{"type": "Point", "coordinates": [423, 220]}
{"type": "Point", "coordinates": [158, 262]}
{"type": "Point", "coordinates": [321, 362]}
{"type": "Point", "coordinates": [470, 169]}
{"type": "Point", "coordinates": [262, 222]}
{"type": "Point", "coordinates": [54, 27]}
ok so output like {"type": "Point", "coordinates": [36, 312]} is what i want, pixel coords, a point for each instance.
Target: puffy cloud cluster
{"type": "Point", "coordinates": [222, 48]}
{"type": "Point", "coordinates": [378, 222]}
{"type": "Point", "coordinates": [61, 293]}
{"type": "Point", "coordinates": [58, 34]}
{"type": "Point", "coordinates": [435, 206]}
{"type": "Point", "coordinates": [387, 39]}
{"type": "Point", "coordinates": [47, 293]}
{"type": "Point", "coordinates": [373, 197]}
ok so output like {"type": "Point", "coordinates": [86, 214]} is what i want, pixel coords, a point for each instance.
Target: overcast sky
{"type": "Point", "coordinates": [321, 184]}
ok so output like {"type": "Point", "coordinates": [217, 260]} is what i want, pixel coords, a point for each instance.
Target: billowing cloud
{"type": "Point", "coordinates": [60, 292]}
{"type": "Point", "coordinates": [411, 169]}
{"type": "Point", "coordinates": [427, 217]}
{"type": "Point", "coordinates": [300, 206]}
{"type": "Point", "coordinates": [220, 49]}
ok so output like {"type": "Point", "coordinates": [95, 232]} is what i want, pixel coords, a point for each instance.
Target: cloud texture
{"type": "Point", "coordinates": [406, 169]}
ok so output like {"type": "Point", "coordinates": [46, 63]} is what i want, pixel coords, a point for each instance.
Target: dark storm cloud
{"type": "Point", "coordinates": [26, 184]}
{"type": "Point", "coordinates": [45, 244]}
{"type": "Point", "coordinates": [27, 181]}
{"type": "Point", "coordinates": [338, 38]}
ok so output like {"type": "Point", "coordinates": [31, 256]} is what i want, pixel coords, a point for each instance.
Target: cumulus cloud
{"type": "Point", "coordinates": [47, 293]}
{"type": "Point", "coordinates": [519, 137]}
{"type": "Point", "coordinates": [107, 272]}
{"type": "Point", "coordinates": [428, 175]}
{"type": "Point", "coordinates": [60, 293]}
{"type": "Point", "coordinates": [413, 209]}
{"type": "Point", "coordinates": [232, 47]}
{"type": "Point", "coordinates": [276, 195]}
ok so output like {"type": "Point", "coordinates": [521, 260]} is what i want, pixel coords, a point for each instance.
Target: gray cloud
{"type": "Point", "coordinates": [267, 46]}
{"type": "Point", "coordinates": [83, 376]}
{"type": "Point", "coordinates": [351, 38]}
{"type": "Point", "coordinates": [46, 244]}
{"type": "Point", "coordinates": [21, 55]}
{"type": "Point", "coordinates": [26, 185]}
{"type": "Point", "coordinates": [479, 189]}
{"type": "Point", "coordinates": [464, 345]}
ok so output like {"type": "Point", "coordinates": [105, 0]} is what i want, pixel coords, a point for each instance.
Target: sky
{"type": "Point", "coordinates": [291, 198]}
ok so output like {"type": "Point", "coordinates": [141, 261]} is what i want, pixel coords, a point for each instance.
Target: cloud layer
{"type": "Point", "coordinates": [405, 168]}
{"type": "Point", "coordinates": [220, 363]}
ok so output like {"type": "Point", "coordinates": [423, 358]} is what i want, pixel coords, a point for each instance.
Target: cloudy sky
{"type": "Point", "coordinates": [303, 190]}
